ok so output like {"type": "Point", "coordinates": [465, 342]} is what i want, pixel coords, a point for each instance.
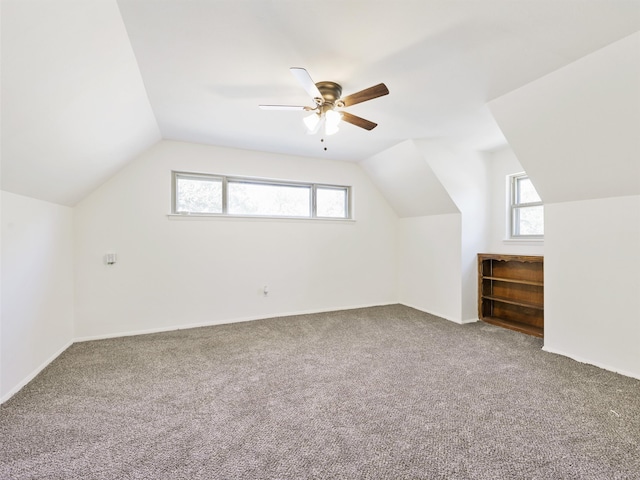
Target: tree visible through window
{"type": "Point", "coordinates": [266, 199]}
{"type": "Point", "coordinates": [198, 194]}
{"type": "Point", "coordinates": [527, 210]}
{"type": "Point", "coordinates": [203, 194]}
{"type": "Point", "coordinates": [332, 202]}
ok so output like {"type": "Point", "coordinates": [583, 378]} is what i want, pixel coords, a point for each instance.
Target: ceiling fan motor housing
{"type": "Point", "coordinates": [330, 91]}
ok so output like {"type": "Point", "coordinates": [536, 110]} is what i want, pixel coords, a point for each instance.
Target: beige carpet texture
{"type": "Point", "coordinates": [375, 393]}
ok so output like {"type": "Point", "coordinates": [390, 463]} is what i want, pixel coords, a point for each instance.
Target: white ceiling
{"type": "Point", "coordinates": [74, 107]}
{"type": "Point", "coordinates": [88, 85]}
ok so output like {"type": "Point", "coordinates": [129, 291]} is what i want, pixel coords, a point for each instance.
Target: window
{"type": "Point", "coordinates": [197, 193]}
{"type": "Point", "coordinates": [332, 202]}
{"type": "Point", "coordinates": [250, 197]}
{"type": "Point", "coordinates": [526, 208]}
{"type": "Point", "coordinates": [203, 194]}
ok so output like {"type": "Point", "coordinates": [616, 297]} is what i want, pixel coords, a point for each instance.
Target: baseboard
{"type": "Point", "coordinates": [42, 366]}
{"type": "Point", "coordinates": [469, 320]}
{"type": "Point", "coordinates": [33, 374]}
{"type": "Point", "coordinates": [436, 314]}
{"type": "Point", "coordinates": [225, 321]}
{"type": "Point", "coordinates": [591, 362]}
{"type": "Point", "coordinates": [172, 328]}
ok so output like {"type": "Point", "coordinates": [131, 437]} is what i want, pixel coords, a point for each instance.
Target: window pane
{"type": "Point", "coordinates": [526, 192]}
{"type": "Point", "coordinates": [529, 220]}
{"type": "Point", "coordinates": [264, 199]}
{"type": "Point", "coordinates": [331, 202]}
{"type": "Point", "coordinates": [194, 195]}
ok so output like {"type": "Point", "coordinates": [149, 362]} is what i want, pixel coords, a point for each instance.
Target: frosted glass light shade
{"type": "Point", "coordinates": [311, 121]}
{"type": "Point", "coordinates": [332, 120]}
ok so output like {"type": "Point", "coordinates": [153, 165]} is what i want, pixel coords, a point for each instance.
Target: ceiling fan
{"type": "Point", "coordinates": [329, 103]}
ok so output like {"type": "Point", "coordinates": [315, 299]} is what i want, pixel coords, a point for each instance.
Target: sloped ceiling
{"type": "Point", "coordinates": [74, 107]}
{"type": "Point", "coordinates": [408, 182]}
{"type": "Point", "coordinates": [87, 85]}
{"type": "Point", "coordinates": [576, 131]}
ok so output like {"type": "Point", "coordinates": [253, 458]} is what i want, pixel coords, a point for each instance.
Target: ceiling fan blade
{"type": "Point", "coordinates": [285, 107]}
{"type": "Point", "coordinates": [366, 94]}
{"type": "Point", "coordinates": [305, 80]}
{"type": "Point", "coordinates": [358, 121]}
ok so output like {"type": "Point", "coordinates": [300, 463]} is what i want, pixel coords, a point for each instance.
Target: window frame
{"type": "Point", "coordinates": [260, 181]}
{"type": "Point", "coordinates": [193, 176]}
{"type": "Point", "coordinates": [347, 200]}
{"type": "Point", "coordinates": [226, 179]}
{"type": "Point", "coordinates": [515, 207]}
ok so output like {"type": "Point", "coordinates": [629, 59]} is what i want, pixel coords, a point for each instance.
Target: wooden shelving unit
{"type": "Point", "coordinates": [511, 292]}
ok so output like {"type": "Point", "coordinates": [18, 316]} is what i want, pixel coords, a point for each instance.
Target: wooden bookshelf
{"type": "Point", "coordinates": [511, 292]}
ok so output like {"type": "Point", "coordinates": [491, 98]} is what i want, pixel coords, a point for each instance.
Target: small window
{"type": "Point", "coordinates": [197, 193]}
{"type": "Point", "coordinates": [332, 202]}
{"type": "Point", "coordinates": [527, 210]}
{"type": "Point", "coordinates": [202, 194]}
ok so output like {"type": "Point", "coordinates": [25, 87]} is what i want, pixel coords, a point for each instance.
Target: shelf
{"type": "Point", "coordinates": [512, 258]}
{"type": "Point", "coordinates": [513, 280]}
{"type": "Point", "coordinates": [513, 302]}
{"type": "Point", "coordinates": [511, 292]}
{"type": "Point", "coordinates": [518, 327]}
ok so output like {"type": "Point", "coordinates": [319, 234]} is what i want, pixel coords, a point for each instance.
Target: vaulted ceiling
{"type": "Point", "coordinates": [88, 85]}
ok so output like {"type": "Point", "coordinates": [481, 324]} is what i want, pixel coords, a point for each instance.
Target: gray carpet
{"type": "Point", "coordinates": [375, 393]}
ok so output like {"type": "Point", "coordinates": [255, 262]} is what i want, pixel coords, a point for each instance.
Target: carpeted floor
{"type": "Point", "coordinates": [375, 393]}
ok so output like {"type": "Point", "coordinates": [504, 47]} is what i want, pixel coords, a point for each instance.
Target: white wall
{"type": "Point", "coordinates": [429, 264]}
{"type": "Point", "coordinates": [76, 109]}
{"type": "Point", "coordinates": [176, 272]}
{"type": "Point", "coordinates": [429, 230]}
{"type": "Point", "coordinates": [592, 282]}
{"type": "Point", "coordinates": [37, 287]}
{"type": "Point", "coordinates": [408, 182]}
{"type": "Point", "coordinates": [464, 175]}
{"type": "Point", "coordinates": [501, 163]}
{"type": "Point", "coordinates": [440, 191]}
{"type": "Point", "coordinates": [1, 395]}
{"type": "Point", "coordinates": [575, 132]}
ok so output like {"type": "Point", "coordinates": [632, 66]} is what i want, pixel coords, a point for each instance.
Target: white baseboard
{"type": "Point", "coordinates": [34, 373]}
{"type": "Point", "coordinates": [221, 322]}
{"type": "Point", "coordinates": [172, 328]}
{"type": "Point", "coordinates": [635, 375]}
{"type": "Point", "coordinates": [436, 314]}
{"type": "Point", "coordinates": [469, 320]}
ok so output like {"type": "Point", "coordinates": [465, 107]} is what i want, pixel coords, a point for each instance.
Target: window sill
{"type": "Point", "coordinates": [524, 241]}
{"type": "Point", "coordinates": [205, 217]}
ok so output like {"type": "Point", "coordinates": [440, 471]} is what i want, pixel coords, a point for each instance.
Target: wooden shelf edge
{"type": "Point", "coordinates": [518, 327]}
{"type": "Point", "coordinates": [512, 258]}
{"type": "Point", "coordinates": [513, 302]}
{"type": "Point", "coordinates": [514, 280]}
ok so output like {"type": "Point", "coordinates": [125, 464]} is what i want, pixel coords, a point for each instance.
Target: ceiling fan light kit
{"type": "Point", "coordinates": [327, 97]}
{"type": "Point", "coordinates": [312, 122]}
{"type": "Point", "coordinates": [331, 121]}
